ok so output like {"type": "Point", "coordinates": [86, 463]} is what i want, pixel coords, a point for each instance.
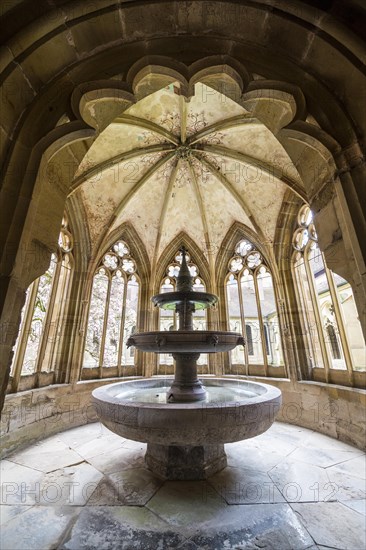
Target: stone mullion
{"type": "Point", "coordinates": [317, 314]}
{"type": "Point", "coordinates": [339, 318]}
{"type": "Point", "coordinates": [300, 283]}
{"type": "Point", "coordinates": [105, 322]}
{"type": "Point", "coordinates": [261, 326]}
{"type": "Point", "coordinates": [48, 318]}
{"type": "Point", "coordinates": [23, 336]}
{"type": "Point", "coordinates": [243, 323]}
{"type": "Point", "coordinates": [122, 327]}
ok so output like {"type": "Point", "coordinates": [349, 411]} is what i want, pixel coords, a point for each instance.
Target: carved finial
{"type": "Point", "coordinates": [184, 279]}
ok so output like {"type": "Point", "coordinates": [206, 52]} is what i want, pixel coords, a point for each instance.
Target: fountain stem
{"type": "Point", "coordinates": [186, 386]}
{"type": "Point", "coordinates": [185, 312]}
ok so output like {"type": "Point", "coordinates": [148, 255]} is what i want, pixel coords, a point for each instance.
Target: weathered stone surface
{"type": "Point", "coordinates": [270, 526]}
{"type": "Point", "coordinates": [133, 509]}
{"type": "Point", "coordinates": [123, 527]}
{"type": "Point", "coordinates": [240, 486]}
{"type": "Point", "coordinates": [39, 527]}
{"type": "Point", "coordinates": [300, 482]}
{"type": "Point", "coordinates": [347, 532]}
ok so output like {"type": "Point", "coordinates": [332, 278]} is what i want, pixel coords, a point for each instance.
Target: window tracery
{"type": "Point", "coordinates": [113, 310]}
{"type": "Point", "coordinates": [252, 309]}
{"type": "Point", "coordinates": [332, 329]}
{"type": "Point", "coordinates": [41, 326]}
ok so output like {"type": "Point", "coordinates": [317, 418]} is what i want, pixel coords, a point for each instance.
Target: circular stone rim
{"type": "Point", "coordinates": [204, 300]}
{"type": "Point", "coordinates": [101, 395]}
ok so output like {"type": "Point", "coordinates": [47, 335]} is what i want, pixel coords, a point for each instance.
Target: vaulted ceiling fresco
{"type": "Point", "coordinates": [169, 164]}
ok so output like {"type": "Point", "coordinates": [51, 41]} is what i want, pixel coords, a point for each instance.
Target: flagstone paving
{"type": "Point", "coordinates": [86, 488]}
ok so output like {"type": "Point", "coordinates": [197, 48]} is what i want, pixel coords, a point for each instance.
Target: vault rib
{"type": "Point", "coordinates": [197, 193]}
{"type": "Point", "coordinates": [154, 168]}
{"type": "Point", "coordinates": [117, 159]}
{"type": "Point", "coordinates": [148, 125]}
{"type": "Point", "coordinates": [131, 194]}
{"type": "Point", "coordinates": [163, 212]}
{"type": "Point", "coordinates": [183, 119]}
{"type": "Point", "coordinates": [237, 197]}
{"type": "Point", "coordinates": [232, 122]}
{"type": "Point", "coordinates": [252, 161]}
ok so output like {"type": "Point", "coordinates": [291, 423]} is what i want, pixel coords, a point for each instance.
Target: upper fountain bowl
{"type": "Point", "coordinates": [186, 341]}
{"type": "Point", "coordinates": [169, 300]}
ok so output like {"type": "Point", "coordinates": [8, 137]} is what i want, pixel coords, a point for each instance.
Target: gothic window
{"type": "Point", "coordinates": [331, 326]}
{"type": "Point", "coordinates": [113, 310]}
{"type": "Point", "coordinates": [168, 318]}
{"type": "Point", "coordinates": [38, 344]}
{"type": "Point", "coordinates": [252, 310]}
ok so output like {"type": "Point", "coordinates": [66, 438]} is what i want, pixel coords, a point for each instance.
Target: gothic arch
{"type": "Point", "coordinates": [196, 255]}
{"type": "Point", "coordinates": [30, 85]}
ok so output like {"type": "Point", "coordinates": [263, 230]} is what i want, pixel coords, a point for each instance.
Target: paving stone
{"type": "Point", "coordinates": [188, 545]}
{"type": "Point", "coordinates": [39, 528]}
{"type": "Point", "coordinates": [99, 445]}
{"type": "Point", "coordinates": [135, 486]}
{"type": "Point", "coordinates": [239, 486]}
{"type": "Point", "coordinates": [345, 486]}
{"type": "Point", "coordinates": [244, 457]}
{"type": "Point", "coordinates": [299, 482]}
{"type": "Point", "coordinates": [354, 467]}
{"type": "Point", "coordinates": [269, 526]}
{"type": "Point", "coordinates": [317, 441]}
{"type": "Point", "coordinates": [47, 455]}
{"type": "Point", "coordinates": [9, 512]}
{"type": "Point", "coordinates": [289, 431]}
{"type": "Point", "coordinates": [83, 434]}
{"type": "Point", "coordinates": [135, 445]}
{"type": "Point", "coordinates": [186, 515]}
{"type": "Point", "coordinates": [187, 503]}
{"type": "Point", "coordinates": [73, 485]}
{"type": "Point", "coordinates": [332, 525]}
{"type": "Point", "coordinates": [122, 527]}
{"type": "Point", "coordinates": [357, 505]}
{"type": "Point", "coordinates": [105, 494]}
{"type": "Point", "coordinates": [118, 460]}
{"type": "Point", "coordinates": [323, 457]}
{"type": "Point", "coordinates": [19, 484]}
{"type": "Point", "coordinates": [282, 445]}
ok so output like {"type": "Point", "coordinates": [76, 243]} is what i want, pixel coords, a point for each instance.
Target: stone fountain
{"type": "Point", "coordinates": [186, 424]}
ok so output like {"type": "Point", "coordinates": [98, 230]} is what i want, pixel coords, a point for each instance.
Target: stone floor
{"type": "Point", "coordinates": [87, 488]}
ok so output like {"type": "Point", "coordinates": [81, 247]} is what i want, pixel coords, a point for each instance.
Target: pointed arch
{"type": "Point", "coordinates": [195, 252]}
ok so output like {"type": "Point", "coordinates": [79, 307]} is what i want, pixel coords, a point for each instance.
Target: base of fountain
{"type": "Point", "coordinates": [185, 462]}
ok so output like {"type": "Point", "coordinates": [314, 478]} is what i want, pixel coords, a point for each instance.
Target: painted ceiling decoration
{"type": "Point", "coordinates": [194, 157]}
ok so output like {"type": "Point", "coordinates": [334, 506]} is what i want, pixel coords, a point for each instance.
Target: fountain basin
{"type": "Point", "coordinates": [186, 341]}
{"type": "Point", "coordinates": [186, 440]}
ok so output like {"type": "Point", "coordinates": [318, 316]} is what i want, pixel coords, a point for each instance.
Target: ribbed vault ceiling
{"type": "Point", "coordinates": [169, 164]}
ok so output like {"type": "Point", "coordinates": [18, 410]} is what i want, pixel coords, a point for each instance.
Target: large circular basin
{"type": "Point", "coordinates": [233, 410]}
{"type": "Point", "coordinates": [186, 341]}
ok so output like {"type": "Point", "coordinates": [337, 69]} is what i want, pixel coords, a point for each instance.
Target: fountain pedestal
{"type": "Point", "coordinates": [185, 462]}
{"type": "Point", "coordinates": [186, 440]}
